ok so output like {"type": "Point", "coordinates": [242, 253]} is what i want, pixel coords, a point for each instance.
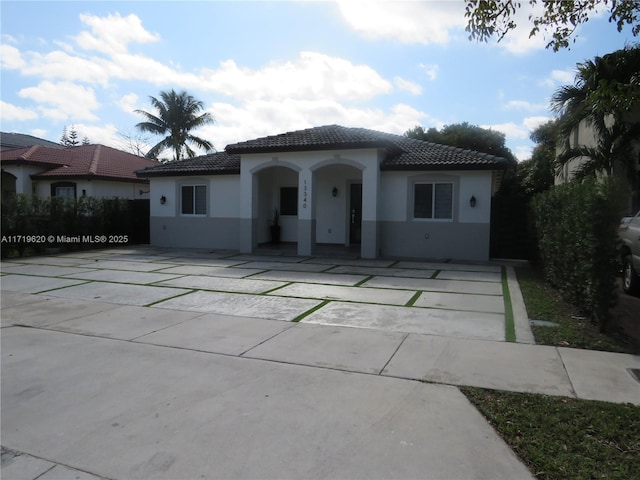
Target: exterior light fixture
{"type": "Point", "coordinates": [163, 199]}
{"type": "Point", "coordinates": [334, 192]}
{"type": "Point", "coordinates": [472, 201]}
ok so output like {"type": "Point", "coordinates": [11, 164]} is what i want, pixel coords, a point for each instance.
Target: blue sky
{"type": "Point", "coordinates": [267, 67]}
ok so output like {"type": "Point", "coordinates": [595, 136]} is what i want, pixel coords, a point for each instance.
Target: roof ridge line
{"type": "Point", "coordinates": [31, 151]}
{"type": "Point", "coordinates": [93, 168]}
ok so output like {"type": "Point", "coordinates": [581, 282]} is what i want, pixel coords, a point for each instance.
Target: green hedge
{"type": "Point", "coordinates": [29, 223]}
{"type": "Point", "coordinates": [576, 235]}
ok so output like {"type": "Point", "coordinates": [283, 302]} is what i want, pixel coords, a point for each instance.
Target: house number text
{"type": "Point", "coordinates": [304, 195]}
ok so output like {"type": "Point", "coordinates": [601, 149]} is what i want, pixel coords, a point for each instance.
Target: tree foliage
{"type": "Point", "coordinates": [70, 138]}
{"type": "Point", "coordinates": [537, 174]}
{"type": "Point", "coordinates": [605, 92]}
{"type": "Point", "coordinates": [575, 227]}
{"type": "Point", "coordinates": [558, 20]}
{"type": "Point", "coordinates": [177, 115]}
{"type": "Point", "coordinates": [469, 137]}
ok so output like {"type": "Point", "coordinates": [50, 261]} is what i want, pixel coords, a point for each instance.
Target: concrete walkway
{"type": "Point", "coordinates": [150, 363]}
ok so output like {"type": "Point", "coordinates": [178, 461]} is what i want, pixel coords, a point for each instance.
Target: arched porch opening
{"type": "Point", "coordinates": [277, 207]}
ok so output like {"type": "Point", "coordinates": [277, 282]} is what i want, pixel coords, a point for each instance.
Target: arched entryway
{"type": "Point", "coordinates": [276, 209]}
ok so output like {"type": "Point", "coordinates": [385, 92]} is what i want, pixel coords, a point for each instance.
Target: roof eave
{"type": "Point", "coordinates": [185, 173]}
{"type": "Point", "coordinates": [88, 177]}
{"type": "Point", "coordinates": [432, 167]}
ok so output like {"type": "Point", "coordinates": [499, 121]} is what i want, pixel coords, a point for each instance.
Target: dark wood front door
{"type": "Point", "coordinates": [355, 214]}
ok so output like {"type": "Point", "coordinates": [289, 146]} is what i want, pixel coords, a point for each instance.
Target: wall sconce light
{"type": "Point", "coordinates": [472, 201]}
{"type": "Point", "coordinates": [334, 192]}
{"type": "Point", "coordinates": [163, 199]}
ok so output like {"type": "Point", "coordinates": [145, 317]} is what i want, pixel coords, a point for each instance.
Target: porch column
{"type": "Point", "coordinates": [370, 190]}
{"type": "Point", "coordinates": [306, 218]}
{"type": "Point", "coordinates": [248, 207]}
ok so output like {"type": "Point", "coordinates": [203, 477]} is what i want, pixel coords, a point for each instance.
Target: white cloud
{"type": "Point", "coordinates": [510, 129]}
{"type": "Point", "coordinates": [406, 22]}
{"type": "Point", "coordinates": [523, 152]}
{"type": "Point", "coordinates": [10, 57]}
{"type": "Point", "coordinates": [13, 112]}
{"type": "Point", "coordinates": [59, 65]}
{"type": "Point", "coordinates": [69, 101]}
{"type": "Point", "coordinates": [534, 122]}
{"type": "Point", "coordinates": [311, 75]}
{"type": "Point", "coordinates": [524, 105]}
{"type": "Point", "coordinates": [113, 33]}
{"type": "Point", "coordinates": [430, 70]}
{"type": "Point", "coordinates": [559, 77]}
{"type": "Point", "coordinates": [408, 86]}
{"type": "Point", "coordinates": [258, 118]}
{"type": "Point", "coordinates": [128, 103]}
{"type": "Point", "coordinates": [104, 135]}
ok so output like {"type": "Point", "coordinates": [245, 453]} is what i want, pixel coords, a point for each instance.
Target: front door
{"type": "Point", "coordinates": [355, 214]}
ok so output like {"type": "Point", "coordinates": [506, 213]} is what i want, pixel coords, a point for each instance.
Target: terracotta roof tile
{"type": "Point", "coordinates": [85, 161]}
{"type": "Point", "coordinates": [219, 163]}
{"type": "Point", "coordinates": [401, 153]}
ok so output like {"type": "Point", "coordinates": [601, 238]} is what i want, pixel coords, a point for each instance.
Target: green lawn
{"type": "Point", "coordinates": [573, 330]}
{"type": "Point", "coordinates": [559, 437]}
{"type": "Point", "coordinates": [565, 438]}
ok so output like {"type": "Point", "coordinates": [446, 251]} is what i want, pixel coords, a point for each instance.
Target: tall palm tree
{"type": "Point", "coordinates": [177, 115]}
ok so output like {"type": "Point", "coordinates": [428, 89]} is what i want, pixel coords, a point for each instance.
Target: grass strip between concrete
{"type": "Point", "coordinates": [509, 323]}
{"type": "Point", "coordinates": [413, 299]}
{"type": "Point", "coordinates": [169, 298]}
{"type": "Point", "coordinates": [310, 311]}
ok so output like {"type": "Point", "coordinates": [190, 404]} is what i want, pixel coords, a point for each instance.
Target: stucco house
{"type": "Point", "coordinates": [391, 195]}
{"type": "Point", "coordinates": [585, 135]}
{"type": "Point", "coordinates": [92, 170]}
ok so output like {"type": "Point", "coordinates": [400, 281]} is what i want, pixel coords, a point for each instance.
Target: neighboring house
{"type": "Point", "coordinates": [586, 136]}
{"type": "Point", "coordinates": [9, 141]}
{"type": "Point", "coordinates": [92, 170]}
{"type": "Point", "coordinates": [393, 196]}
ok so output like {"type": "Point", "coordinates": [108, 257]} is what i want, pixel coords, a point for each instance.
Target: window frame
{"type": "Point", "coordinates": [433, 183]}
{"type": "Point", "coordinates": [64, 185]}
{"type": "Point", "coordinates": [194, 186]}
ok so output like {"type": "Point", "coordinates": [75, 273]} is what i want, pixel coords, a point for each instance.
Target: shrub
{"type": "Point", "coordinates": [32, 216]}
{"type": "Point", "coordinates": [575, 227]}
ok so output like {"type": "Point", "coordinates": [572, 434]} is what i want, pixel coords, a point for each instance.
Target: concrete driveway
{"type": "Point", "coordinates": [409, 297]}
{"type": "Point", "coordinates": [156, 363]}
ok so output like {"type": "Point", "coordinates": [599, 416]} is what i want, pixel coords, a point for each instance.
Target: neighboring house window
{"type": "Point", "coordinates": [194, 200]}
{"type": "Point", "coordinates": [63, 189]}
{"type": "Point", "coordinates": [433, 200]}
{"type": "Point", "coordinates": [289, 201]}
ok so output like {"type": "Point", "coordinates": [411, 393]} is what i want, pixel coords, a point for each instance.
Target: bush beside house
{"type": "Point", "coordinates": [32, 223]}
{"type": "Point", "coordinates": [575, 227]}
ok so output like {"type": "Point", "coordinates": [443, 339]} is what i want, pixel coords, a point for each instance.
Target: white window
{"type": "Point", "coordinates": [63, 189]}
{"type": "Point", "coordinates": [433, 200]}
{"type": "Point", "coordinates": [65, 192]}
{"type": "Point", "coordinates": [194, 199]}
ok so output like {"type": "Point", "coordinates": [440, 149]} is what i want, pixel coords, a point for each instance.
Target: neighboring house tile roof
{"type": "Point", "coordinates": [402, 153]}
{"type": "Point", "coordinates": [219, 163]}
{"type": "Point", "coordinates": [85, 161]}
{"type": "Point", "coordinates": [10, 140]}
